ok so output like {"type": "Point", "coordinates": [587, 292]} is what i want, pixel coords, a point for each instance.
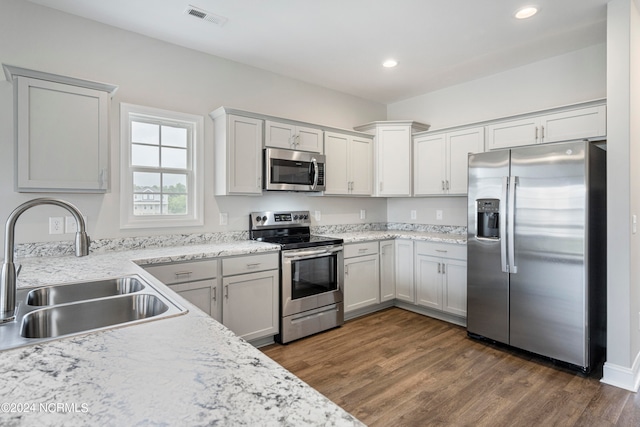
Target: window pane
{"type": "Point", "coordinates": [145, 133]}
{"type": "Point", "coordinates": [146, 181]}
{"type": "Point", "coordinates": [177, 204]}
{"type": "Point", "coordinates": [174, 158]}
{"type": "Point", "coordinates": [174, 183]}
{"type": "Point", "coordinates": [175, 137]}
{"type": "Point", "coordinates": [144, 155]}
{"type": "Point", "coordinates": [147, 204]}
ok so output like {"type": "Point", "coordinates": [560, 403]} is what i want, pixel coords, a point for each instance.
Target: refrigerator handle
{"type": "Point", "coordinates": [503, 225]}
{"type": "Point", "coordinates": [513, 182]}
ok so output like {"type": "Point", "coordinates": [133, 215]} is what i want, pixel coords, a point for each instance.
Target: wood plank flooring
{"type": "Point", "coordinates": [398, 368]}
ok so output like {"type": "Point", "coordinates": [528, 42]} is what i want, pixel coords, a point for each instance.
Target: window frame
{"type": "Point", "coordinates": [194, 170]}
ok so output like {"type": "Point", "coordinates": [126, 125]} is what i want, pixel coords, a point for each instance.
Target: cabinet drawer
{"type": "Point", "coordinates": [180, 272]}
{"type": "Point", "coordinates": [250, 264]}
{"type": "Point", "coordinates": [442, 250]}
{"type": "Point", "coordinates": [359, 249]}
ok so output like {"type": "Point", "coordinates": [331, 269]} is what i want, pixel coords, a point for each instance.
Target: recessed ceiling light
{"type": "Point", "coordinates": [390, 63]}
{"type": "Point", "coordinates": [526, 12]}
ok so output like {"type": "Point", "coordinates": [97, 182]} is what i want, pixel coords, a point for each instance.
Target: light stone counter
{"type": "Point", "coordinates": [187, 370]}
{"type": "Point", "coordinates": [363, 236]}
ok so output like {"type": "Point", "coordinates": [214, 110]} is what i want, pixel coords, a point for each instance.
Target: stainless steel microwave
{"type": "Point", "coordinates": [290, 170]}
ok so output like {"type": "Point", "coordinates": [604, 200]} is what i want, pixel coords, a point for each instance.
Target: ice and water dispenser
{"type": "Point", "coordinates": [488, 218]}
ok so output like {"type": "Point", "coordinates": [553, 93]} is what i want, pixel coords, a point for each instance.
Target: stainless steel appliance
{"type": "Point", "coordinates": [290, 170]}
{"type": "Point", "coordinates": [312, 273]}
{"type": "Point", "coordinates": [537, 250]}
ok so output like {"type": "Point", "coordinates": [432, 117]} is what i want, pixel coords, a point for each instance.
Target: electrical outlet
{"type": "Point", "coordinates": [318, 215]}
{"type": "Point", "coordinates": [224, 218]}
{"type": "Point", "coordinates": [363, 214]}
{"type": "Point", "coordinates": [439, 215]}
{"type": "Point", "coordinates": [414, 214]}
{"type": "Point", "coordinates": [56, 225]}
{"type": "Point", "coordinates": [70, 225]}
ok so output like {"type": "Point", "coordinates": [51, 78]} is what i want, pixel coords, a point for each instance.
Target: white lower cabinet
{"type": "Point", "coordinates": [195, 281]}
{"type": "Point", "coordinates": [361, 276]}
{"type": "Point", "coordinates": [387, 270]}
{"type": "Point", "coordinates": [250, 304]}
{"type": "Point", "coordinates": [247, 302]}
{"type": "Point", "coordinates": [441, 277]}
{"type": "Point", "coordinates": [405, 288]}
{"type": "Point", "coordinates": [251, 294]}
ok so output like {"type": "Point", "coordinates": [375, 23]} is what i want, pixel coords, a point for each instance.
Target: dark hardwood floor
{"type": "Point", "coordinates": [398, 368]}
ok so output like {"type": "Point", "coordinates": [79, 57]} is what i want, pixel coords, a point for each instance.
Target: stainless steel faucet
{"type": "Point", "coordinates": [8, 277]}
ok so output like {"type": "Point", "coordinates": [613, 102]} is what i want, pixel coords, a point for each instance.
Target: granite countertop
{"type": "Point", "coordinates": [363, 236]}
{"type": "Point", "coordinates": [185, 370]}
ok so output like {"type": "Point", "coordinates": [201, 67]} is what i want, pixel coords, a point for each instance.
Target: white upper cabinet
{"type": "Point", "coordinates": [292, 137]}
{"type": "Point", "coordinates": [349, 168]}
{"type": "Point", "coordinates": [62, 132]}
{"type": "Point", "coordinates": [392, 156]}
{"type": "Point", "coordinates": [238, 154]}
{"type": "Point", "coordinates": [574, 123]}
{"type": "Point", "coordinates": [440, 161]}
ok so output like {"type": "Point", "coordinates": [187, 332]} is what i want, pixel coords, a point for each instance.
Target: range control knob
{"type": "Point", "coordinates": [264, 218]}
{"type": "Point", "coordinates": [258, 218]}
{"type": "Point", "coordinates": [295, 217]}
{"type": "Point", "coordinates": [305, 216]}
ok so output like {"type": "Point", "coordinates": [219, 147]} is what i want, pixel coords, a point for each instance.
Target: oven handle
{"type": "Point", "coordinates": [296, 255]}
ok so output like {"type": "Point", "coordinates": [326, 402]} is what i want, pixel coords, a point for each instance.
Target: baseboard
{"type": "Point", "coordinates": [622, 377]}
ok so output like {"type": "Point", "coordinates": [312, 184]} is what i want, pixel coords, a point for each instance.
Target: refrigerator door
{"type": "Point", "coordinates": [487, 283]}
{"type": "Point", "coordinates": [547, 291]}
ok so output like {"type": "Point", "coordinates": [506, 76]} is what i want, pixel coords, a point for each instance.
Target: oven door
{"type": "Point", "coordinates": [289, 170]}
{"type": "Point", "coordinates": [311, 278]}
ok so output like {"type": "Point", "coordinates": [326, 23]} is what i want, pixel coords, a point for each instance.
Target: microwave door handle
{"type": "Point", "coordinates": [314, 164]}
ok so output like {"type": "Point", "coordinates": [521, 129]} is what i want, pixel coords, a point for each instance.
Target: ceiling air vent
{"type": "Point", "coordinates": [206, 16]}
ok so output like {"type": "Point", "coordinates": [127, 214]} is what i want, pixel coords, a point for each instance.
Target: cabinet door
{"type": "Point", "coordinates": [404, 271]}
{"type": "Point", "coordinates": [459, 145]}
{"type": "Point", "coordinates": [429, 273]}
{"type": "Point", "coordinates": [429, 165]}
{"type": "Point", "coordinates": [203, 294]}
{"type": "Point", "coordinates": [309, 139]}
{"type": "Point", "coordinates": [337, 171]}
{"type": "Point", "coordinates": [361, 282]}
{"type": "Point", "coordinates": [244, 171]}
{"type": "Point", "coordinates": [279, 135]}
{"type": "Point", "coordinates": [393, 151]}
{"type": "Point", "coordinates": [250, 304]}
{"type": "Point", "coordinates": [455, 287]}
{"type": "Point", "coordinates": [387, 271]}
{"type": "Point", "coordinates": [512, 133]}
{"type": "Point", "coordinates": [361, 166]}
{"type": "Point", "coordinates": [62, 137]}
{"type": "Point", "coordinates": [575, 124]}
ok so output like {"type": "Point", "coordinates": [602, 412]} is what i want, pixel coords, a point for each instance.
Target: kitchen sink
{"type": "Point", "coordinates": [90, 315]}
{"type": "Point", "coordinates": [60, 294]}
{"type": "Point", "coordinates": [53, 312]}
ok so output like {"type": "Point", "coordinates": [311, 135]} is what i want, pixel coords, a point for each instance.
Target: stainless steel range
{"type": "Point", "coordinates": [312, 273]}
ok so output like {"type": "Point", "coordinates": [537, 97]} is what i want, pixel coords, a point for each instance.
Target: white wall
{"type": "Point", "coordinates": [565, 79]}
{"type": "Point", "coordinates": [157, 74]}
{"type": "Point", "coordinates": [454, 210]}
{"type": "Point", "coordinates": [623, 199]}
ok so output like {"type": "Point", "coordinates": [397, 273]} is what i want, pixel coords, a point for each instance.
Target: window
{"type": "Point", "coordinates": [161, 170]}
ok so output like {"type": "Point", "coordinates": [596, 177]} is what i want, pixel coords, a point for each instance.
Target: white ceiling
{"type": "Point", "coordinates": [340, 44]}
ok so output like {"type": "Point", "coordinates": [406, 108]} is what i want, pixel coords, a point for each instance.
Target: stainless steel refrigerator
{"type": "Point", "coordinates": [536, 246]}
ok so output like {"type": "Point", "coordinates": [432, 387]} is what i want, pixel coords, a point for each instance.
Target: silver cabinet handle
{"type": "Point", "coordinates": [443, 268]}
{"type": "Point", "coordinates": [183, 274]}
{"type": "Point", "coordinates": [536, 133]}
{"type": "Point", "coordinates": [253, 265]}
{"type": "Point", "coordinates": [541, 132]}
{"type": "Point", "coordinates": [438, 268]}
{"type": "Point", "coordinates": [226, 291]}
{"type": "Point", "coordinates": [362, 250]}
{"type": "Point", "coordinates": [442, 185]}
{"type": "Point", "coordinates": [447, 184]}
{"type": "Point", "coordinates": [441, 250]}
{"type": "Point", "coordinates": [215, 291]}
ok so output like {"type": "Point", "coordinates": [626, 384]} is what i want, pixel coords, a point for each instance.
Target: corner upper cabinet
{"type": "Point", "coordinates": [238, 153]}
{"type": "Point", "coordinates": [62, 132]}
{"type": "Point", "coordinates": [392, 156]}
